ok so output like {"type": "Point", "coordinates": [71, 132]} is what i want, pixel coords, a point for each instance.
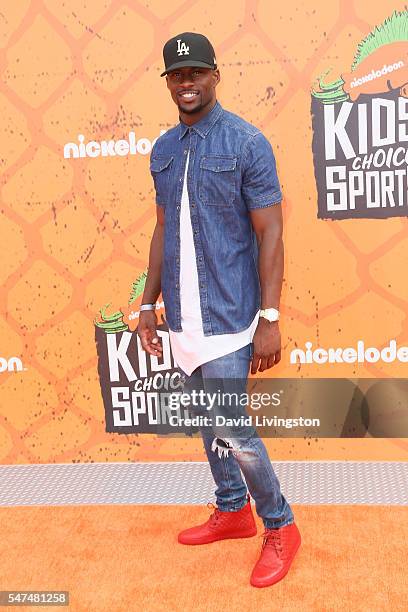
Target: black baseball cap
{"type": "Point", "coordinates": [188, 49]}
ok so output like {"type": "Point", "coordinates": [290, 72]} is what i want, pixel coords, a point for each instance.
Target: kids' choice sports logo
{"type": "Point", "coordinates": [360, 129]}
{"type": "Point", "coordinates": [136, 387]}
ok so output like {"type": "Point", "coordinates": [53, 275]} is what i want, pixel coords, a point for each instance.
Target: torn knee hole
{"type": "Point", "coordinates": [223, 446]}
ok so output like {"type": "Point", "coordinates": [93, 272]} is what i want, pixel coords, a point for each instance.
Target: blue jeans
{"type": "Point", "coordinates": [247, 453]}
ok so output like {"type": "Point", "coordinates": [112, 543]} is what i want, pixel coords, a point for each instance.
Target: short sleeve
{"type": "Point", "coordinates": [260, 183]}
{"type": "Point", "coordinates": [151, 167]}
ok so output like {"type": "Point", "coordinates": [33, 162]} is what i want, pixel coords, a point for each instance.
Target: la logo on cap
{"type": "Point", "coordinates": [182, 48]}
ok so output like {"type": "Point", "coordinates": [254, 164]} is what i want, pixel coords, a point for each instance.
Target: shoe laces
{"type": "Point", "coordinates": [272, 537]}
{"type": "Point", "coordinates": [216, 514]}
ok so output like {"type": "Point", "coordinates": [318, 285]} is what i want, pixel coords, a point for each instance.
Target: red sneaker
{"type": "Point", "coordinates": [221, 526]}
{"type": "Point", "coordinates": [278, 550]}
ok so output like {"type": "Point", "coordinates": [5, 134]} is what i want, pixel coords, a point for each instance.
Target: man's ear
{"type": "Point", "coordinates": [167, 81]}
{"type": "Point", "coordinates": [217, 76]}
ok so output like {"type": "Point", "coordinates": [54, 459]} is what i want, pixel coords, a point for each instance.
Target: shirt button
{"type": "Point", "coordinates": [195, 232]}
{"type": "Point", "coordinates": [192, 205]}
{"type": "Point", "coordinates": [200, 259]}
{"type": "Point", "coordinates": [177, 285]}
{"type": "Point", "coordinates": [177, 259]}
{"type": "Point", "coordinates": [180, 179]}
{"type": "Point", "coordinates": [178, 207]}
{"type": "Point", "coordinates": [185, 152]}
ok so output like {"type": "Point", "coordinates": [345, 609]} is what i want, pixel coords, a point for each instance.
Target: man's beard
{"type": "Point", "coordinates": [192, 111]}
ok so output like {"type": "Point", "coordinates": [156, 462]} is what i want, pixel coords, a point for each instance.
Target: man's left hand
{"type": "Point", "coordinates": [267, 346]}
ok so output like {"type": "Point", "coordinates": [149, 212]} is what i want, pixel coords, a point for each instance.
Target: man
{"type": "Point", "coordinates": [216, 256]}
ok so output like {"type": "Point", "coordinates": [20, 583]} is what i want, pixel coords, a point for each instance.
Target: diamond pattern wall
{"type": "Point", "coordinates": [75, 232]}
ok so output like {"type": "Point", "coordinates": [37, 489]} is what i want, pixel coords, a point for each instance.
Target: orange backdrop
{"type": "Point", "coordinates": [75, 232]}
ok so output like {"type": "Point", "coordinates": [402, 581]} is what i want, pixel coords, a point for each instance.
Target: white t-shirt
{"type": "Point", "coordinates": [190, 347]}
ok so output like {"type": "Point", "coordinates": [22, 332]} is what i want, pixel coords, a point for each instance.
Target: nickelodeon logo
{"type": "Point", "coordinates": [360, 354]}
{"type": "Point", "coordinates": [109, 148]}
{"type": "Point", "coordinates": [13, 364]}
{"type": "Point", "coordinates": [376, 74]}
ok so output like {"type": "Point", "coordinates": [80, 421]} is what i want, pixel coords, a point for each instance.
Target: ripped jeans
{"type": "Point", "coordinates": [240, 451]}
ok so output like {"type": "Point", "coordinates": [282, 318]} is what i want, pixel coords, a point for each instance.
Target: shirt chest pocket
{"type": "Point", "coordinates": [217, 180]}
{"type": "Point", "coordinates": [160, 169]}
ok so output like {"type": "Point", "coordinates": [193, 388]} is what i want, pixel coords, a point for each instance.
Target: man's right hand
{"type": "Point", "coordinates": [147, 332]}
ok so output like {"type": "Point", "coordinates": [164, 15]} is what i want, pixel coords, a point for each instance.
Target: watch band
{"type": "Point", "coordinates": [148, 307]}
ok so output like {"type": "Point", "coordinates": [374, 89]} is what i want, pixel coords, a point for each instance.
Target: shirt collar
{"type": "Point", "coordinates": [205, 124]}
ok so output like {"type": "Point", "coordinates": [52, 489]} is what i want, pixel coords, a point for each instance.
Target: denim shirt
{"type": "Point", "coordinates": [231, 171]}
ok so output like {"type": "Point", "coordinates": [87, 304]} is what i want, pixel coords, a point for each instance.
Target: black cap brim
{"type": "Point", "coordinates": [186, 63]}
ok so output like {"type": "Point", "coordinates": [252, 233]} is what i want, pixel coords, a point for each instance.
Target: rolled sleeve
{"type": "Point", "coordinates": [260, 183]}
{"type": "Point", "coordinates": [152, 153]}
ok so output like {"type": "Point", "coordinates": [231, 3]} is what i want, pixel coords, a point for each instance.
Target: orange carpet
{"type": "Point", "coordinates": [125, 558]}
